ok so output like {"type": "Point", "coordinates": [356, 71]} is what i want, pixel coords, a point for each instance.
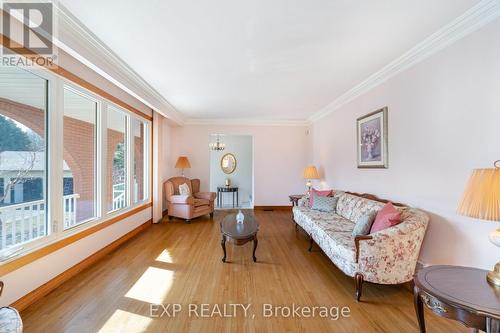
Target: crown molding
{"type": "Point", "coordinates": [245, 122]}
{"type": "Point", "coordinates": [123, 75]}
{"type": "Point", "coordinates": [476, 17]}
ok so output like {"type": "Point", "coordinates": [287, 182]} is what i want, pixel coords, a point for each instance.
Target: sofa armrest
{"type": "Point", "coordinates": [357, 239]}
{"type": "Point", "coordinates": [390, 255]}
{"type": "Point", "coordinates": [181, 199]}
{"type": "Point", "coordinates": [205, 195]}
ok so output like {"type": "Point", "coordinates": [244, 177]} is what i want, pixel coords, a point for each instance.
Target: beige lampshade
{"type": "Point", "coordinates": [182, 163]}
{"type": "Point", "coordinates": [481, 198]}
{"type": "Point", "coordinates": [310, 172]}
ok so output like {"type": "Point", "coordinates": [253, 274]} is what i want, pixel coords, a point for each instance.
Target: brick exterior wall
{"type": "Point", "coordinates": [78, 152]}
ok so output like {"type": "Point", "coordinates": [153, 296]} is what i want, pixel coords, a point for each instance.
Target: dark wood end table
{"type": "Point", "coordinates": [227, 189]}
{"type": "Point", "coordinates": [239, 233]}
{"type": "Point", "coordinates": [294, 199]}
{"type": "Point", "coordinates": [459, 293]}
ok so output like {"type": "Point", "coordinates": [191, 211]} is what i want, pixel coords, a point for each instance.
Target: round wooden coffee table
{"type": "Point", "coordinates": [459, 293]}
{"type": "Point", "coordinates": [239, 233]}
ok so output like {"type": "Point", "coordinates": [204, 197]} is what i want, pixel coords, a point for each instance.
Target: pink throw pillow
{"type": "Point", "coordinates": [387, 217]}
{"type": "Point", "coordinates": [325, 193]}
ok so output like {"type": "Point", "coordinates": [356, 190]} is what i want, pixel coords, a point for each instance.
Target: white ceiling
{"type": "Point", "coordinates": [260, 59]}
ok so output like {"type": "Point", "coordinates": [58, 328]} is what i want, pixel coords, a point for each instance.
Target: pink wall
{"type": "Point", "coordinates": [279, 157]}
{"type": "Point", "coordinates": [444, 117]}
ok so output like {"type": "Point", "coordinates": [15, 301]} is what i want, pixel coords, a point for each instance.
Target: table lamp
{"type": "Point", "coordinates": [481, 200]}
{"type": "Point", "coordinates": [310, 173]}
{"type": "Point", "coordinates": [182, 163]}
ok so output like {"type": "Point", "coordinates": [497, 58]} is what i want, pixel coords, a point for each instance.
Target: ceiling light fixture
{"type": "Point", "coordinates": [217, 145]}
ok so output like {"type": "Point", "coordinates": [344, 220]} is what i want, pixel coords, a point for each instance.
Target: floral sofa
{"type": "Point", "coordinates": [388, 256]}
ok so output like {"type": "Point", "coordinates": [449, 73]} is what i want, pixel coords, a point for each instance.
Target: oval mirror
{"type": "Point", "coordinates": [228, 163]}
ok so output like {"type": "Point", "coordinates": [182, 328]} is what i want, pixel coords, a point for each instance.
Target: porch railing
{"type": "Point", "coordinates": [20, 223]}
{"type": "Point", "coordinates": [26, 221]}
{"type": "Point", "coordinates": [119, 196]}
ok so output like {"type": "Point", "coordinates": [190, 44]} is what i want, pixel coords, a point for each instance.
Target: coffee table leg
{"type": "Point", "coordinates": [223, 244]}
{"type": "Point", "coordinates": [419, 309]}
{"type": "Point", "coordinates": [255, 242]}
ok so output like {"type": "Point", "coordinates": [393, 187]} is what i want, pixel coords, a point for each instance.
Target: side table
{"type": "Point", "coordinates": [458, 293]}
{"type": "Point", "coordinates": [294, 199]}
{"type": "Point", "coordinates": [226, 189]}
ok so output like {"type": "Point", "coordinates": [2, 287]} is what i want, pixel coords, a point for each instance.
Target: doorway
{"type": "Point", "coordinates": [231, 171]}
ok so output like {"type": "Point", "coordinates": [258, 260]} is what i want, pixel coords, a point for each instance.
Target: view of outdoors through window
{"type": "Point", "coordinates": [139, 159]}
{"type": "Point", "coordinates": [79, 154]}
{"type": "Point", "coordinates": [22, 157]}
{"type": "Point", "coordinates": [79, 126]}
{"type": "Point", "coordinates": [117, 159]}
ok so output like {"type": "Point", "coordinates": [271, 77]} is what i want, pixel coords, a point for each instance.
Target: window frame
{"type": "Point", "coordinates": [54, 173]}
{"type": "Point", "coordinates": [128, 155]}
{"type": "Point", "coordinates": [146, 158]}
{"type": "Point", "coordinates": [51, 212]}
{"type": "Point", "coordinates": [97, 147]}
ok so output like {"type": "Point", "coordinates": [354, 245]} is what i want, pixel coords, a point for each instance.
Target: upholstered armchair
{"type": "Point", "coordinates": [188, 206]}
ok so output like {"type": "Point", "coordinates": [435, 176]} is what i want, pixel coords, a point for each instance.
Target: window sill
{"type": "Point", "coordinates": [29, 255]}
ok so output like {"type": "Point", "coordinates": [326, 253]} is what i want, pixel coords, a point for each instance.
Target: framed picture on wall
{"type": "Point", "coordinates": [372, 140]}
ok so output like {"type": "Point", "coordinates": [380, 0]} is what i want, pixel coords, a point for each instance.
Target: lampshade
{"type": "Point", "coordinates": [182, 163]}
{"type": "Point", "coordinates": [310, 172]}
{"type": "Point", "coordinates": [481, 199]}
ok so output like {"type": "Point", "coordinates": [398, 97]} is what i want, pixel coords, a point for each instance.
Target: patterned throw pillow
{"type": "Point", "coordinates": [315, 193]}
{"type": "Point", "coordinates": [325, 204]}
{"type": "Point", "coordinates": [184, 189]}
{"type": "Point", "coordinates": [364, 224]}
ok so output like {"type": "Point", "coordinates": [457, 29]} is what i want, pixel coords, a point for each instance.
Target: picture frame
{"type": "Point", "coordinates": [228, 163]}
{"type": "Point", "coordinates": [372, 139]}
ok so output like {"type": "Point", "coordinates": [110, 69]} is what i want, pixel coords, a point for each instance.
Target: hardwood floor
{"type": "Point", "coordinates": [181, 263]}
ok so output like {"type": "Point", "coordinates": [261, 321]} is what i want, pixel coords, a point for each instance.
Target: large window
{"type": "Point", "coordinates": [117, 159]}
{"type": "Point", "coordinates": [68, 157]}
{"type": "Point", "coordinates": [140, 157]}
{"type": "Point", "coordinates": [23, 113]}
{"type": "Point", "coordinates": [80, 158]}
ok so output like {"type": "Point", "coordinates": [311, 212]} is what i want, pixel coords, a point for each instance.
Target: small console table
{"type": "Point", "coordinates": [294, 199]}
{"type": "Point", "coordinates": [226, 189]}
{"type": "Point", "coordinates": [458, 293]}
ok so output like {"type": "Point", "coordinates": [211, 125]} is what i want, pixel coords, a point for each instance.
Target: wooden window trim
{"type": "Point", "coordinates": [28, 258]}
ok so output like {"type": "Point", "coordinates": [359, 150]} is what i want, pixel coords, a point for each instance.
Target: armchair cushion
{"type": "Point", "coordinates": [182, 199]}
{"type": "Point", "coordinates": [210, 196]}
{"type": "Point", "coordinates": [184, 189]}
{"type": "Point", "coordinates": [201, 202]}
